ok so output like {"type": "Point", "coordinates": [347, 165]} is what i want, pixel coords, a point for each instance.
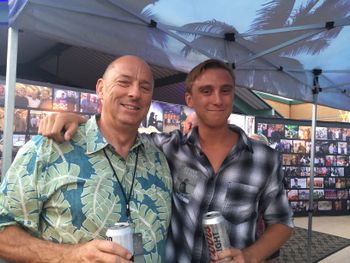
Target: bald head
{"type": "Point", "coordinates": [128, 61]}
{"type": "Point", "coordinates": [190, 122]}
{"type": "Point", "coordinates": [125, 91]}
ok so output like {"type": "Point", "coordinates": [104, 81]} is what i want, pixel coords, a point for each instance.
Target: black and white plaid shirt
{"type": "Point", "coordinates": [249, 181]}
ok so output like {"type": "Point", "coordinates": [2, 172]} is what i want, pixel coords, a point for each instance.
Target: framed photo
{"type": "Point", "coordinates": [321, 171]}
{"type": "Point", "coordinates": [318, 182]}
{"type": "Point", "coordinates": [343, 148]}
{"type": "Point", "coordinates": [321, 148]}
{"type": "Point", "coordinates": [330, 194]}
{"type": "Point", "coordinates": [155, 116]}
{"type": "Point", "coordinates": [45, 98]}
{"type": "Point", "coordinates": [262, 129]}
{"type": "Point", "coordinates": [297, 183]}
{"type": "Point", "coordinates": [305, 171]}
{"type": "Point", "coordinates": [321, 133]}
{"type": "Point", "coordinates": [338, 205]}
{"type": "Point", "coordinates": [299, 146]}
{"type": "Point", "coordinates": [89, 103]}
{"type": "Point", "coordinates": [342, 194]}
{"type": "Point", "coordinates": [318, 194]}
{"type": "Point", "coordinates": [275, 131]}
{"type": "Point", "coordinates": [66, 100]}
{"type": "Point", "coordinates": [342, 160]}
{"type": "Point", "coordinates": [293, 195]}
{"type": "Point", "coordinates": [346, 134]}
{"type": "Point", "coordinates": [337, 171]}
{"type": "Point", "coordinates": [171, 117]}
{"type": "Point", "coordinates": [290, 159]}
{"type": "Point", "coordinates": [298, 206]}
{"type": "Point", "coordinates": [334, 133]}
{"type": "Point", "coordinates": [286, 146]}
{"type": "Point", "coordinates": [305, 132]}
{"type": "Point", "coordinates": [304, 194]}
{"type": "Point", "coordinates": [324, 205]}
{"type": "Point", "coordinates": [20, 120]}
{"type": "Point", "coordinates": [291, 131]}
{"type": "Point", "coordinates": [329, 182]}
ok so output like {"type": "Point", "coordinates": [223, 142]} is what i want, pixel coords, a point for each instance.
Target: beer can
{"type": "Point", "coordinates": [122, 234]}
{"type": "Point", "coordinates": [215, 233]}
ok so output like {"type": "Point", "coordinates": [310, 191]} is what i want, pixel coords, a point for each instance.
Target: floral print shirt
{"type": "Point", "coordinates": [67, 193]}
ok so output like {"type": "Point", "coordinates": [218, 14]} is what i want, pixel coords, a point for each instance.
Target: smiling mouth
{"type": "Point", "coordinates": [131, 107]}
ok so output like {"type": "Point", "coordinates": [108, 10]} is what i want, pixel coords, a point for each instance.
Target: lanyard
{"type": "Point", "coordinates": [127, 200]}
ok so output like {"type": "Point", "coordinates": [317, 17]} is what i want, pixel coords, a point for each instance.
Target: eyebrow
{"type": "Point", "coordinates": [222, 86]}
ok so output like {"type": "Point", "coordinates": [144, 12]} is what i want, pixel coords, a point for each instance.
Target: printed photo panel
{"type": "Point", "coordinates": [66, 100]}
{"type": "Point", "coordinates": [89, 103]}
{"type": "Point", "coordinates": [154, 116]}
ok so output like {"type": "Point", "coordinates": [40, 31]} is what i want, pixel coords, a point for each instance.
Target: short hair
{"type": "Point", "coordinates": [205, 65]}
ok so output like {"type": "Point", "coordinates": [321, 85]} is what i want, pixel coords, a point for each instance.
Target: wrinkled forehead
{"type": "Point", "coordinates": [132, 68]}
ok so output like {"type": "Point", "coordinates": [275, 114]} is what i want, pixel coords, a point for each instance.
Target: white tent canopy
{"type": "Point", "coordinates": [274, 46]}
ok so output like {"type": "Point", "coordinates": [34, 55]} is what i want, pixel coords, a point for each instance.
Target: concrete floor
{"type": "Point", "coordinates": [334, 225]}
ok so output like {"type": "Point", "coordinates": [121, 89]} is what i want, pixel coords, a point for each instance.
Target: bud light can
{"type": "Point", "coordinates": [122, 234]}
{"type": "Point", "coordinates": [215, 233]}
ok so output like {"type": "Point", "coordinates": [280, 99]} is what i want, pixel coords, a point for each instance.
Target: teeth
{"type": "Point", "coordinates": [130, 107]}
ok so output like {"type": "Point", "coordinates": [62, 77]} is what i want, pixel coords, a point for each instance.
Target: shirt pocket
{"type": "Point", "coordinates": [240, 202]}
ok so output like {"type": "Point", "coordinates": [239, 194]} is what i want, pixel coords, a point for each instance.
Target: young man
{"type": "Point", "coordinates": [216, 167]}
{"type": "Point", "coordinates": [71, 193]}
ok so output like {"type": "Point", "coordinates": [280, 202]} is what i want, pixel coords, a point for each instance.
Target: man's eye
{"type": "Point", "coordinates": [146, 89]}
{"type": "Point", "coordinates": [123, 83]}
{"type": "Point", "coordinates": [205, 91]}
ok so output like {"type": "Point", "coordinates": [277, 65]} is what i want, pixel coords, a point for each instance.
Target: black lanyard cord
{"type": "Point", "coordinates": [127, 200]}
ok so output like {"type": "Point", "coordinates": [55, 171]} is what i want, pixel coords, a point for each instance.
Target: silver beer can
{"type": "Point", "coordinates": [122, 234]}
{"type": "Point", "coordinates": [215, 233]}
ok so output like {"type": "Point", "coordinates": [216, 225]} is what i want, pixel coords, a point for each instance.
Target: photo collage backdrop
{"type": "Point", "coordinates": [332, 170]}
{"type": "Point", "coordinates": [34, 102]}
{"type": "Point", "coordinates": [166, 117]}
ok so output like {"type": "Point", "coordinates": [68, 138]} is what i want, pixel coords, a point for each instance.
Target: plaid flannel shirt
{"type": "Point", "coordinates": [248, 182]}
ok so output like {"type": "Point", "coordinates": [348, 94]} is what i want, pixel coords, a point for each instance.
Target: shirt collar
{"type": "Point", "coordinates": [95, 140]}
{"type": "Point", "coordinates": [243, 142]}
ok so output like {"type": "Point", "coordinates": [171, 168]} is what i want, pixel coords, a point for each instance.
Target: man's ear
{"type": "Point", "coordinates": [99, 88]}
{"type": "Point", "coordinates": [188, 99]}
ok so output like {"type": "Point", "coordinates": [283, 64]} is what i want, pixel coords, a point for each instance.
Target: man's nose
{"type": "Point", "coordinates": [217, 98]}
{"type": "Point", "coordinates": [134, 90]}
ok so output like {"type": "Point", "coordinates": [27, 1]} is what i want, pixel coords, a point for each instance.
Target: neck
{"type": "Point", "coordinates": [210, 136]}
{"type": "Point", "coordinates": [121, 138]}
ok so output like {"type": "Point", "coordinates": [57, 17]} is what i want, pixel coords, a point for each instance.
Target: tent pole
{"type": "Point", "coordinates": [11, 68]}
{"type": "Point", "coordinates": [316, 90]}
{"type": "Point", "coordinates": [310, 210]}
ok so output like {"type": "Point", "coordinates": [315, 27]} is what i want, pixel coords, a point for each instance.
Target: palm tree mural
{"type": "Point", "coordinates": [278, 14]}
{"type": "Point", "coordinates": [206, 38]}
{"type": "Point", "coordinates": [143, 9]}
{"type": "Point", "coordinates": [272, 15]}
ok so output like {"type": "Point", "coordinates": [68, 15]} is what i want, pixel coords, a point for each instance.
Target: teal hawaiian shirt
{"type": "Point", "coordinates": [67, 192]}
